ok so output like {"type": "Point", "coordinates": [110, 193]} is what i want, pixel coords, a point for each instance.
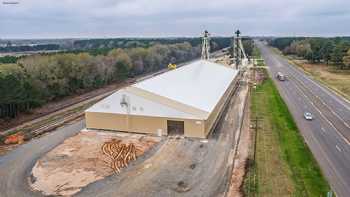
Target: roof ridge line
{"type": "Point", "coordinates": [222, 65]}
{"type": "Point", "coordinates": [168, 102]}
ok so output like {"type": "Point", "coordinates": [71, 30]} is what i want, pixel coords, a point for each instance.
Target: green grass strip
{"type": "Point", "coordinates": [306, 173]}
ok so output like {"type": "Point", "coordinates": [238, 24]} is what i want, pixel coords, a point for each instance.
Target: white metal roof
{"type": "Point", "coordinates": [199, 85]}
{"type": "Point", "coordinates": [137, 106]}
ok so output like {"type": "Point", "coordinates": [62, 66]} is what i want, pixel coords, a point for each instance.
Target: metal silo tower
{"type": "Point", "coordinates": [205, 45]}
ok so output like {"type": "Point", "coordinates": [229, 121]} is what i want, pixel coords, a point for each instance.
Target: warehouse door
{"type": "Point", "coordinates": [175, 127]}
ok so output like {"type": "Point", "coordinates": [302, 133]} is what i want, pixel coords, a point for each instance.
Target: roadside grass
{"type": "Point", "coordinates": [332, 77]}
{"type": "Point", "coordinates": [284, 166]}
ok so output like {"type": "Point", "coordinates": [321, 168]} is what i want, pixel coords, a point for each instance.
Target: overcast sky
{"type": "Point", "coordinates": [153, 18]}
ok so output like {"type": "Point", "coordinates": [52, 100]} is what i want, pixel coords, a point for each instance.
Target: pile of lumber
{"type": "Point", "coordinates": [118, 154]}
{"type": "Point", "coordinates": [17, 138]}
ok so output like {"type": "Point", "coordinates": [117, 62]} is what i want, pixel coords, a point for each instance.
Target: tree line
{"type": "Point", "coordinates": [8, 59]}
{"type": "Point", "coordinates": [327, 50]}
{"type": "Point", "coordinates": [100, 46]}
{"type": "Point", "coordinates": [37, 79]}
{"type": "Point", "coordinates": [105, 44]}
{"type": "Point", "coordinates": [40, 47]}
{"type": "Point", "coordinates": [249, 47]}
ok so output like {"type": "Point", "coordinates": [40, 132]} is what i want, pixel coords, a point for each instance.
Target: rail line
{"type": "Point", "coordinates": [72, 116]}
{"type": "Point", "coordinates": [66, 117]}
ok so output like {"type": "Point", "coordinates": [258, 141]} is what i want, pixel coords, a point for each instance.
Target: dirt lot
{"type": "Point", "coordinates": [79, 161]}
{"type": "Point", "coordinates": [336, 79]}
{"type": "Point", "coordinates": [243, 142]}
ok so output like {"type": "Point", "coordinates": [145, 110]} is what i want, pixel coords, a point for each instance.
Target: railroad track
{"type": "Point", "coordinates": [53, 125]}
{"type": "Point", "coordinates": [71, 116]}
{"type": "Point", "coordinates": [67, 117]}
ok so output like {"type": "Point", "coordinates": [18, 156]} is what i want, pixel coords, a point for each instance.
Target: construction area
{"type": "Point", "coordinates": [86, 158]}
{"type": "Point", "coordinates": [162, 136]}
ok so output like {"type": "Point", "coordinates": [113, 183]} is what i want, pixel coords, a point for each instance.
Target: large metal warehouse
{"type": "Point", "coordinates": [184, 101]}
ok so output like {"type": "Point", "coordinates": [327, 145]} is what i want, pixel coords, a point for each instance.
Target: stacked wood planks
{"type": "Point", "coordinates": [119, 154]}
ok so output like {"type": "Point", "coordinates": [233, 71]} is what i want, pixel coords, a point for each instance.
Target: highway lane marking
{"type": "Point", "coordinates": [324, 131]}
{"type": "Point", "coordinates": [325, 89]}
{"type": "Point", "coordinates": [339, 149]}
{"type": "Point", "coordinates": [329, 108]}
{"type": "Point", "coordinates": [346, 124]}
{"type": "Point", "coordinates": [339, 133]}
{"type": "Point", "coordinates": [333, 170]}
{"type": "Point", "coordinates": [331, 166]}
{"type": "Point", "coordinates": [324, 117]}
{"type": "Point", "coordinates": [329, 122]}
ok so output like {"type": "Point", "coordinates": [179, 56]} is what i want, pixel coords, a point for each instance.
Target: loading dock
{"type": "Point", "coordinates": [175, 127]}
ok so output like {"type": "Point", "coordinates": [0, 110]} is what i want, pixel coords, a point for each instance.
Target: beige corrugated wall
{"type": "Point", "coordinates": [147, 124]}
{"type": "Point", "coordinates": [218, 108]}
{"type": "Point", "coordinates": [140, 124]}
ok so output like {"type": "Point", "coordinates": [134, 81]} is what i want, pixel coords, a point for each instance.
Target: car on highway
{"type": "Point", "coordinates": [308, 116]}
{"type": "Point", "coordinates": [280, 76]}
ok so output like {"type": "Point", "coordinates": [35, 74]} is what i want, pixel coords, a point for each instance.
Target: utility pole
{"type": "Point", "coordinates": [205, 45]}
{"type": "Point", "coordinates": [239, 56]}
{"type": "Point", "coordinates": [237, 48]}
{"type": "Point", "coordinates": [9, 44]}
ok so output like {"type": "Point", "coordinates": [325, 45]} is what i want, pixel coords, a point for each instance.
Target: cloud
{"type": "Point", "coordinates": [112, 18]}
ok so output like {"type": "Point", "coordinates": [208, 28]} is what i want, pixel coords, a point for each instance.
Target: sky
{"type": "Point", "coordinates": [167, 18]}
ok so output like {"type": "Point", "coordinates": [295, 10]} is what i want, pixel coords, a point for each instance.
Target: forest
{"type": "Point", "coordinates": [99, 45]}
{"type": "Point", "coordinates": [335, 51]}
{"type": "Point", "coordinates": [41, 47]}
{"type": "Point", "coordinates": [141, 42]}
{"type": "Point", "coordinates": [8, 59]}
{"type": "Point", "coordinates": [37, 79]}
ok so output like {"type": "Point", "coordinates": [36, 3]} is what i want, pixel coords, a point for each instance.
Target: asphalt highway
{"type": "Point", "coordinates": [328, 134]}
